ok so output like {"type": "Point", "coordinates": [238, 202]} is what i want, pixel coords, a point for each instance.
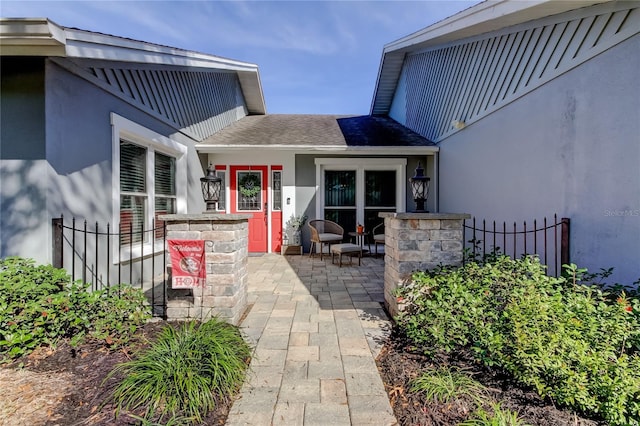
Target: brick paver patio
{"type": "Point", "coordinates": [316, 329]}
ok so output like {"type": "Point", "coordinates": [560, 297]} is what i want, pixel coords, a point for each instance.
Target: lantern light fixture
{"type": "Point", "coordinates": [211, 186]}
{"type": "Point", "coordinates": [420, 188]}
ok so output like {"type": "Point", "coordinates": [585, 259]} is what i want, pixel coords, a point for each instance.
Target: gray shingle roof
{"type": "Point", "coordinates": [305, 130]}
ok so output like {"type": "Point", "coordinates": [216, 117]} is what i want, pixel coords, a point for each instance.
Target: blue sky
{"type": "Point", "coordinates": [315, 57]}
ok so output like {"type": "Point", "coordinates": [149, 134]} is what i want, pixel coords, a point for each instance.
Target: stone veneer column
{"type": "Point", "coordinates": [226, 250]}
{"type": "Point", "coordinates": [417, 242]}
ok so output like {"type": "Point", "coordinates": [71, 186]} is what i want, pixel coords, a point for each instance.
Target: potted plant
{"type": "Point", "coordinates": [293, 228]}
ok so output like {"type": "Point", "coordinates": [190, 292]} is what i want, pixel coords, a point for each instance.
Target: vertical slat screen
{"type": "Point", "coordinates": [200, 102]}
{"type": "Point", "coordinates": [471, 79]}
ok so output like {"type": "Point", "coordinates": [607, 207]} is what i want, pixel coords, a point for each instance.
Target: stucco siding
{"type": "Point", "coordinates": [570, 147]}
{"type": "Point", "coordinates": [398, 109]}
{"type": "Point", "coordinates": [68, 168]}
{"type": "Point", "coordinates": [79, 147]}
{"type": "Point", "coordinates": [23, 167]}
{"type": "Point", "coordinates": [447, 86]}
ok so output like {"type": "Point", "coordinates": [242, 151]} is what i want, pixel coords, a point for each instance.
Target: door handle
{"type": "Point", "coordinates": [266, 212]}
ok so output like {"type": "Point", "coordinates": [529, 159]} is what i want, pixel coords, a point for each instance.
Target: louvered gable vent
{"type": "Point", "coordinates": [201, 103]}
{"type": "Point", "coordinates": [469, 80]}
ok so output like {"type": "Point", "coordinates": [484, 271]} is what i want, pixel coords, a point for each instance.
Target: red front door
{"type": "Point", "coordinates": [248, 187]}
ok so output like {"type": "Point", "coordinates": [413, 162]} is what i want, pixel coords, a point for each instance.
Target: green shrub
{"type": "Point", "coordinates": [574, 346]}
{"type": "Point", "coordinates": [183, 371]}
{"type": "Point", "coordinates": [39, 305]}
{"type": "Point", "coordinates": [453, 307]}
{"type": "Point", "coordinates": [574, 343]}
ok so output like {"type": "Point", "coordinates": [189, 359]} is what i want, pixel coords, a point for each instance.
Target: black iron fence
{"type": "Point", "coordinates": [105, 257]}
{"type": "Point", "coordinates": [548, 240]}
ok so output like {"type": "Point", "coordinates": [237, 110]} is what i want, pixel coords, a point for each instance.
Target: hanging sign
{"type": "Point", "coordinates": [188, 266]}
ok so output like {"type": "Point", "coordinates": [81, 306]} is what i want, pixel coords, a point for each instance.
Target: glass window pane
{"type": "Point", "coordinates": [249, 191]}
{"type": "Point", "coordinates": [276, 183]}
{"type": "Point", "coordinates": [132, 214]}
{"type": "Point", "coordinates": [133, 161]}
{"type": "Point", "coordinates": [340, 188]}
{"type": "Point", "coordinates": [343, 217]}
{"type": "Point", "coordinates": [222, 202]}
{"type": "Point", "coordinates": [380, 188]}
{"type": "Point", "coordinates": [371, 218]}
{"type": "Point", "coordinates": [163, 205]}
{"type": "Point", "coordinates": [165, 174]}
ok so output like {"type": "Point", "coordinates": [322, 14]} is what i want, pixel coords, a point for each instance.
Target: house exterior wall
{"type": "Point", "coordinates": [444, 87]}
{"type": "Point", "coordinates": [571, 147]}
{"type": "Point", "coordinates": [62, 134]}
{"type": "Point", "coordinates": [23, 198]}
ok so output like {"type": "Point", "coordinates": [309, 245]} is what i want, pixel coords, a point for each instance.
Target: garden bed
{"type": "Point", "coordinates": [64, 386]}
{"type": "Point", "coordinates": [398, 366]}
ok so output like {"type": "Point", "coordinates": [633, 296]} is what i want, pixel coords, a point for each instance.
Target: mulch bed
{"type": "Point", "coordinates": [65, 387]}
{"type": "Point", "coordinates": [398, 365]}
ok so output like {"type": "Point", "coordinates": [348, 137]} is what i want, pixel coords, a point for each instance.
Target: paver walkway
{"type": "Point", "coordinates": [316, 329]}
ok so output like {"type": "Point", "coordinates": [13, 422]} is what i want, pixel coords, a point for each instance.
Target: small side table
{"type": "Point", "coordinates": [359, 237]}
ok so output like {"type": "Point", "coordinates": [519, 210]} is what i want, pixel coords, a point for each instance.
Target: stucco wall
{"type": "Point", "coordinates": [22, 157]}
{"type": "Point", "coordinates": [570, 147]}
{"type": "Point", "coordinates": [72, 153]}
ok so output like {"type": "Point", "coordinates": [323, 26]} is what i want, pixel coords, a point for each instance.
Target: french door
{"type": "Point", "coordinates": [342, 193]}
{"type": "Point", "coordinates": [355, 191]}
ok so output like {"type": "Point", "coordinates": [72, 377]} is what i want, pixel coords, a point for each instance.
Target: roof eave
{"type": "Point", "coordinates": [485, 17]}
{"type": "Point", "coordinates": [31, 37]}
{"type": "Point", "coordinates": [42, 37]}
{"type": "Point", "coordinates": [479, 19]}
{"type": "Point", "coordinates": [360, 150]}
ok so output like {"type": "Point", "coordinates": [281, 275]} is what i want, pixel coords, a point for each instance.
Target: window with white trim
{"type": "Point", "coordinates": [148, 169]}
{"type": "Point", "coordinates": [138, 197]}
{"type": "Point", "coordinates": [355, 190]}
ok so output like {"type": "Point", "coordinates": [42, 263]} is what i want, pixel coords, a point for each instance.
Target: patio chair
{"type": "Point", "coordinates": [378, 236]}
{"type": "Point", "coordinates": [324, 232]}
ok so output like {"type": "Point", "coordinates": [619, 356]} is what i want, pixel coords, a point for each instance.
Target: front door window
{"type": "Point", "coordinates": [249, 190]}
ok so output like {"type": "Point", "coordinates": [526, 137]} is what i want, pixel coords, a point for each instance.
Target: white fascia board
{"type": "Point", "coordinates": [31, 36]}
{"type": "Point", "coordinates": [41, 32]}
{"type": "Point", "coordinates": [83, 44]}
{"type": "Point", "coordinates": [360, 150]}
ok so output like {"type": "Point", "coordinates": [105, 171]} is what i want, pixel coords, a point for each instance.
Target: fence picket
{"type": "Point", "coordinates": [103, 274]}
{"type": "Point", "coordinates": [561, 254]}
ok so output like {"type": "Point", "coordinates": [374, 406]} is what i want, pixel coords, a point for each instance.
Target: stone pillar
{"type": "Point", "coordinates": [226, 238]}
{"type": "Point", "coordinates": [418, 242]}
